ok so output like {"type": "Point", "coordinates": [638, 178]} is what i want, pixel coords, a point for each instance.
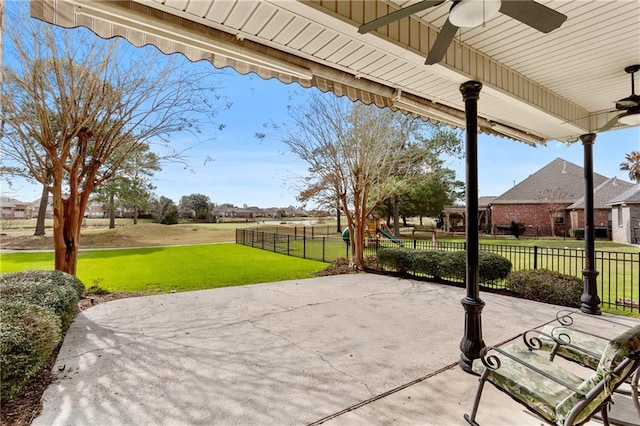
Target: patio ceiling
{"type": "Point", "coordinates": [536, 87]}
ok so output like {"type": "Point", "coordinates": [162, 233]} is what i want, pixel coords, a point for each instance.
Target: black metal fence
{"type": "Point", "coordinates": [308, 244]}
{"type": "Point", "coordinates": [618, 278]}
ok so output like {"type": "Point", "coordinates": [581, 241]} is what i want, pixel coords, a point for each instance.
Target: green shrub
{"type": "Point", "coordinates": [429, 262]}
{"type": "Point", "coordinates": [444, 264]}
{"type": "Point", "coordinates": [55, 290]}
{"type": "Point", "coordinates": [493, 267]}
{"type": "Point", "coordinates": [546, 286]}
{"type": "Point", "coordinates": [454, 265]}
{"type": "Point", "coordinates": [396, 258]}
{"type": "Point", "coordinates": [28, 335]}
{"type": "Point", "coordinates": [577, 233]}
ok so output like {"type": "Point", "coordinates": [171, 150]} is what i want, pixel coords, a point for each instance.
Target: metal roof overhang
{"type": "Point", "coordinates": [536, 87]}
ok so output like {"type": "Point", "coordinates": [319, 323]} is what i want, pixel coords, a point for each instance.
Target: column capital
{"type": "Point", "coordinates": [588, 138]}
{"type": "Point", "coordinates": [470, 89]}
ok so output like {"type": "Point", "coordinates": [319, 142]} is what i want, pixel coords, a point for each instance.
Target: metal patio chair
{"type": "Point", "coordinates": [553, 393]}
{"type": "Point", "coordinates": [578, 345]}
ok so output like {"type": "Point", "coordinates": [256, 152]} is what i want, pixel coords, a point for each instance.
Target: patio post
{"type": "Point", "coordinates": [471, 342]}
{"type": "Point", "coordinates": [589, 300]}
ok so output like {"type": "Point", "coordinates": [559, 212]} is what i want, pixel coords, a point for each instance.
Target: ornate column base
{"type": "Point", "coordinates": [471, 343]}
{"type": "Point", "coordinates": [589, 301]}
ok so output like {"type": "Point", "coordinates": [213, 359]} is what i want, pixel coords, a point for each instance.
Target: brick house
{"type": "Point", "coordinates": [602, 216]}
{"type": "Point", "coordinates": [625, 216]}
{"type": "Point", "coordinates": [554, 197]}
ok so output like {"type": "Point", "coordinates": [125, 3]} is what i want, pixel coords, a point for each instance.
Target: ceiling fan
{"type": "Point", "coordinates": [630, 106]}
{"type": "Point", "coordinates": [471, 13]}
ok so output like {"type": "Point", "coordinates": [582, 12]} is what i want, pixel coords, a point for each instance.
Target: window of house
{"type": "Point", "coordinates": [620, 217]}
{"type": "Point", "coordinates": [558, 217]}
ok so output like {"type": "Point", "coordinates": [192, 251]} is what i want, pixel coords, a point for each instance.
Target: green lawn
{"type": "Point", "coordinates": [161, 270]}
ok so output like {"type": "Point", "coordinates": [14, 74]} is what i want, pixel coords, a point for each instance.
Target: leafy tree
{"type": "Point", "coordinates": [356, 153]}
{"type": "Point", "coordinates": [131, 189]}
{"type": "Point", "coordinates": [632, 165]}
{"type": "Point", "coordinates": [199, 203]}
{"type": "Point", "coordinates": [165, 211]}
{"type": "Point", "coordinates": [108, 98]}
{"type": "Point", "coordinates": [438, 189]}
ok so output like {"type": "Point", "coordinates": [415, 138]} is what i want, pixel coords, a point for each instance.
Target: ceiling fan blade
{"type": "Point", "coordinates": [533, 14]}
{"type": "Point", "coordinates": [398, 14]}
{"type": "Point", "coordinates": [609, 124]}
{"type": "Point", "coordinates": [444, 39]}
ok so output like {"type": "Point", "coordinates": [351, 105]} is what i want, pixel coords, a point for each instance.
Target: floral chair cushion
{"type": "Point", "coordinates": [615, 352]}
{"type": "Point", "coordinates": [552, 400]}
{"type": "Point", "coordinates": [534, 390]}
{"type": "Point", "coordinates": [585, 349]}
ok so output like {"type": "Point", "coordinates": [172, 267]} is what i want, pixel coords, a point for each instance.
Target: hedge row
{"type": "Point", "coordinates": [546, 286]}
{"type": "Point", "coordinates": [36, 308]}
{"type": "Point", "coordinates": [539, 284]}
{"type": "Point", "coordinates": [443, 264]}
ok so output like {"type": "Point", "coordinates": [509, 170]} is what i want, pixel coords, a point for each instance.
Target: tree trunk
{"type": "Point", "coordinates": [66, 233]}
{"type": "Point", "coordinates": [42, 211]}
{"type": "Point", "coordinates": [112, 211]}
{"type": "Point", "coordinates": [68, 212]}
{"type": "Point", "coordinates": [396, 217]}
{"type": "Point", "coordinates": [135, 215]}
{"type": "Point", "coordinates": [338, 225]}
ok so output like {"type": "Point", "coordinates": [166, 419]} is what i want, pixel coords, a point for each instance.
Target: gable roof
{"type": "Point", "coordinates": [630, 196]}
{"type": "Point", "coordinates": [560, 179]}
{"type": "Point", "coordinates": [603, 193]}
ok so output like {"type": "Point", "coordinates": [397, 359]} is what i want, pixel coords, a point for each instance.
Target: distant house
{"type": "Point", "coordinates": [551, 201]}
{"type": "Point", "coordinates": [10, 208]}
{"type": "Point", "coordinates": [454, 216]}
{"type": "Point", "coordinates": [626, 216]}
{"type": "Point", "coordinates": [602, 216]}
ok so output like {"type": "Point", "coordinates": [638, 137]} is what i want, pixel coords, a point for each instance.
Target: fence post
{"type": "Point", "coordinates": [274, 242]}
{"type": "Point", "coordinates": [414, 244]}
{"type": "Point", "coordinates": [535, 257]}
{"type": "Point", "coordinates": [313, 232]}
{"type": "Point", "coordinates": [288, 243]}
{"type": "Point", "coordinates": [323, 246]}
{"type": "Point", "coordinates": [304, 245]}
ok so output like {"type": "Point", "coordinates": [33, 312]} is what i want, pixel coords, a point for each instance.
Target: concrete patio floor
{"type": "Point", "coordinates": [355, 349]}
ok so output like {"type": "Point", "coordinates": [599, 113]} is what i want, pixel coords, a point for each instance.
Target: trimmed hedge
{"type": "Point", "coordinates": [36, 308]}
{"type": "Point", "coordinates": [28, 336]}
{"type": "Point", "coordinates": [546, 286]}
{"type": "Point", "coordinates": [49, 289]}
{"type": "Point", "coordinates": [443, 264]}
{"type": "Point", "coordinates": [398, 259]}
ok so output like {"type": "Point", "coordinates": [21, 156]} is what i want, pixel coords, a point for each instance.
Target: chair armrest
{"type": "Point", "coordinates": [559, 339]}
{"type": "Point", "coordinates": [492, 362]}
{"type": "Point", "coordinates": [565, 318]}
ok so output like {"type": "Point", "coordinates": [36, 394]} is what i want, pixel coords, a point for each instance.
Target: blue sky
{"type": "Point", "coordinates": [246, 170]}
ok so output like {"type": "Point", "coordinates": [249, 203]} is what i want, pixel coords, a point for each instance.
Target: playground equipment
{"type": "Point", "coordinates": [374, 227]}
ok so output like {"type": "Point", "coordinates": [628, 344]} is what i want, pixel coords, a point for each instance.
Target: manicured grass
{"type": "Point", "coordinates": [164, 269]}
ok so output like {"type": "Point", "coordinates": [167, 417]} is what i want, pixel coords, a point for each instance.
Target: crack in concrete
{"type": "Point", "coordinates": [323, 359]}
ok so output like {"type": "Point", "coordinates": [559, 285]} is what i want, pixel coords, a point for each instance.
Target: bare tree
{"type": "Point", "coordinates": [77, 107]}
{"type": "Point", "coordinates": [554, 202]}
{"type": "Point", "coordinates": [632, 165]}
{"type": "Point", "coordinates": [355, 153]}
